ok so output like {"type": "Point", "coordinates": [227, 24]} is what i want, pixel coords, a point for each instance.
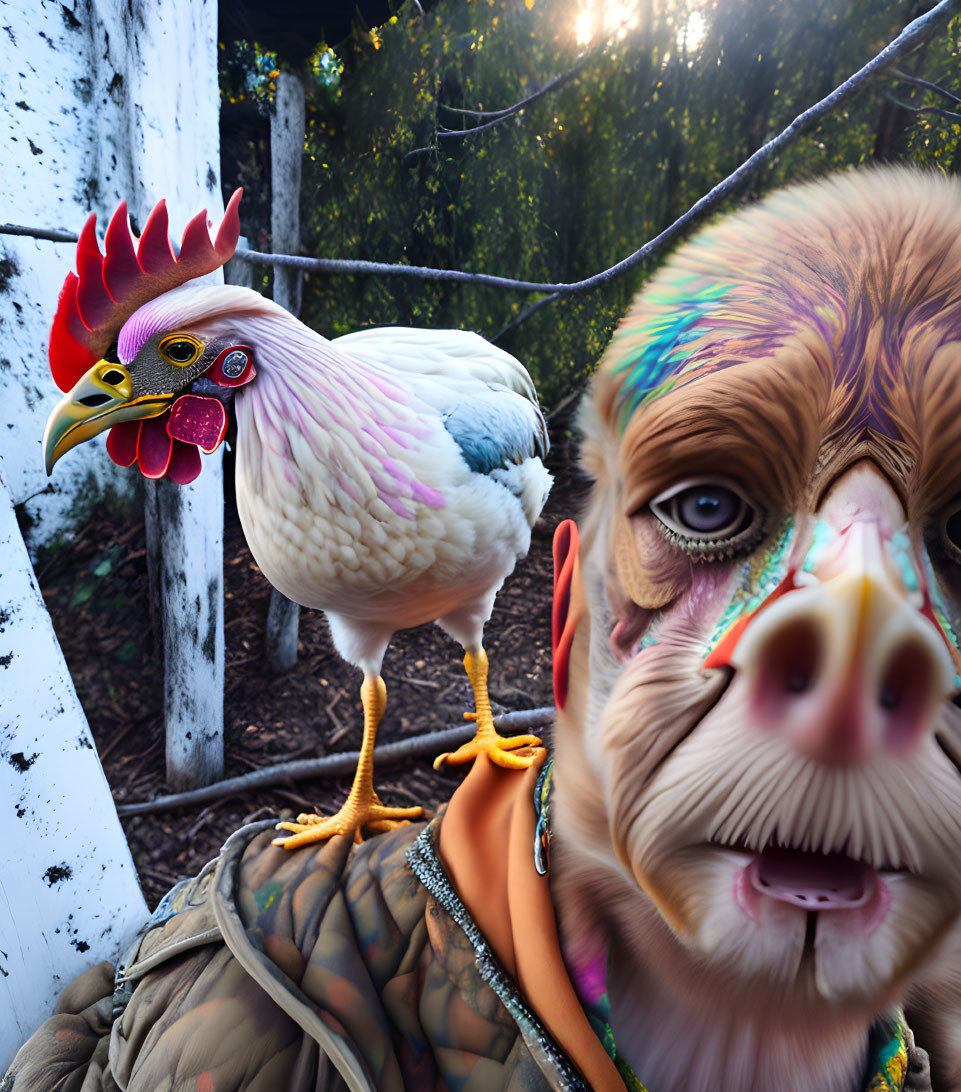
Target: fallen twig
{"type": "Point", "coordinates": [341, 765]}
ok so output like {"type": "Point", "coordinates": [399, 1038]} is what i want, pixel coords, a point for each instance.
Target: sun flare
{"type": "Point", "coordinates": [605, 18]}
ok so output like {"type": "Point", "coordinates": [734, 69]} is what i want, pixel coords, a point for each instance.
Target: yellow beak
{"type": "Point", "coordinates": [101, 399]}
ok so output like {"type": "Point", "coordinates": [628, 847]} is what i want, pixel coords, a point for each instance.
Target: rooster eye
{"type": "Point", "coordinates": [181, 349]}
{"type": "Point", "coordinates": [708, 519]}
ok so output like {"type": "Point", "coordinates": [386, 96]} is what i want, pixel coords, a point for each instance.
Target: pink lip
{"type": "Point", "coordinates": [814, 882]}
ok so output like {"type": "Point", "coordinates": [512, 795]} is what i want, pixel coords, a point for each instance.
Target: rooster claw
{"type": "Point", "coordinates": [499, 749]}
{"type": "Point", "coordinates": [350, 819]}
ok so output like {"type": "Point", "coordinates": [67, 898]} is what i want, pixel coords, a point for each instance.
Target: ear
{"type": "Point", "coordinates": [566, 610]}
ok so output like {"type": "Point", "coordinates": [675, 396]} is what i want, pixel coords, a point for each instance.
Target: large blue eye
{"type": "Point", "coordinates": [706, 514]}
{"type": "Point", "coordinates": [708, 509]}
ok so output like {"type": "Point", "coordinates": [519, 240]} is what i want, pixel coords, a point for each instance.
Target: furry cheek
{"type": "Point", "coordinates": [651, 572]}
{"type": "Point", "coordinates": [848, 965]}
{"type": "Point", "coordinates": [656, 702]}
{"type": "Point", "coordinates": [767, 942]}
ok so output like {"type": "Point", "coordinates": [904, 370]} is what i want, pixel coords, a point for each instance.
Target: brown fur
{"type": "Point", "coordinates": [836, 342]}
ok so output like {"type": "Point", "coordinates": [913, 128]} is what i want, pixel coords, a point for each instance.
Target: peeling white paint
{"type": "Point", "coordinates": [46, 107]}
{"type": "Point", "coordinates": [166, 138]}
{"type": "Point", "coordinates": [100, 101]}
{"type": "Point", "coordinates": [68, 891]}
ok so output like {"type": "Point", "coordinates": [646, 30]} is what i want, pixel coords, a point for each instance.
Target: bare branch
{"type": "Point", "coordinates": [349, 266]}
{"type": "Point", "coordinates": [38, 233]}
{"type": "Point", "coordinates": [524, 316]}
{"type": "Point", "coordinates": [940, 111]}
{"type": "Point", "coordinates": [342, 765]}
{"type": "Point", "coordinates": [443, 132]}
{"type": "Point", "coordinates": [498, 116]}
{"type": "Point", "coordinates": [477, 113]}
{"type": "Point", "coordinates": [509, 111]}
{"type": "Point", "coordinates": [903, 77]}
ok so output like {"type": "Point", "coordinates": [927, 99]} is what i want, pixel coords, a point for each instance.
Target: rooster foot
{"type": "Point", "coordinates": [499, 749]}
{"type": "Point", "coordinates": [371, 814]}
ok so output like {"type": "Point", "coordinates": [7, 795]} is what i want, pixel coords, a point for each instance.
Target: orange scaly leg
{"type": "Point", "coordinates": [362, 808]}
{"type": "Point", "coordinates": [486, 740]}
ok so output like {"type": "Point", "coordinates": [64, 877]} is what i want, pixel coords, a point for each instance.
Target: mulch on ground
{"type": "Point", "coordinates": [96, 590]}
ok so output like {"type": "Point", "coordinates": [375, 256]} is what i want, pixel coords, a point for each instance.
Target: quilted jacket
{"type": "Point", "coordinates": [426, 958]}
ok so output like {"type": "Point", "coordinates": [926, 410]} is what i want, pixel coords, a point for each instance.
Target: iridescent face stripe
{"type": "Point", "coordinates": [763, 574]}
{"type": "Point", "coordinates": [947, 613]}
{"type": "Point", "coordinates": [759, 576]}
{"type": "Point", "coordinates": [656, 353]}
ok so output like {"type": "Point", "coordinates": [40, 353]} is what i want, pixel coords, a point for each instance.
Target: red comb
{"type": "Point", "coordinates": [105, 291]}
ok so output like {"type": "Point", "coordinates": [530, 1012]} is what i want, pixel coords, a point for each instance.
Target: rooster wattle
{"type": "Point", "coordinates": [388, 478]}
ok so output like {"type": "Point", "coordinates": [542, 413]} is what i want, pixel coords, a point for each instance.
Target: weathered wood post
{"type": "Point", "coordinates": [68, 890]}
{"type": "Point", "coordinates": [287, 129]}
{"type": "Point", "coordinates": [103, 103]}
{"type": "Point", "coordinates": [186, 525]}
{"type": "Point", "coordinates": [166, 140]}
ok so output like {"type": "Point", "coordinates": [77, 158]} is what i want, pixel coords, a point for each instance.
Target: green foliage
{"type": "Point", "coordinates": [584, 175]}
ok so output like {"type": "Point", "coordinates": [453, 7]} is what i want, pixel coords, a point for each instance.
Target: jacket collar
{"type": "Point", "coordinates": [486, 864]}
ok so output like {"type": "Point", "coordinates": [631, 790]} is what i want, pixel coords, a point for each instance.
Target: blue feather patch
{"type": "Point", "coordinates": [497, 428]}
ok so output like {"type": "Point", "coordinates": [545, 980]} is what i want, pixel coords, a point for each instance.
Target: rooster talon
{"type": "Point", "coordinates": [351, 819]}
{"type": "Point", "coordinates": [384, 826]}
{"type": "Point", "coordinates": [519, 757]}
{"type": "Point", "coordinates": [502, 751]}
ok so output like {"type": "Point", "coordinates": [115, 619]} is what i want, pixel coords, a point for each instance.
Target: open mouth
{"type": "Point", "coordinates": [812, 881]}
{"type": "Point", "coordinates": [815, 882]}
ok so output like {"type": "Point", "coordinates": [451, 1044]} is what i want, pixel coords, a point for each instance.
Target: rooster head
{"type": "Point", "coordinates": [126, 350]}
{"type": "Point", "coordinates": [759, 760]}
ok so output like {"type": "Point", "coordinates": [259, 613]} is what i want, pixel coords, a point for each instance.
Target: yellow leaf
{"type": "Point", "coordinates": [528, 4]}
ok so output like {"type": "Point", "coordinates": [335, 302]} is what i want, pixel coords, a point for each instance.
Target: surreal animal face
{"type": "Point", "coordinates": [760, 721]}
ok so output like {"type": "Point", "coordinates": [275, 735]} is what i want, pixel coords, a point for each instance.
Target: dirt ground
{"type": "Point", "coordinates": [96, 591]}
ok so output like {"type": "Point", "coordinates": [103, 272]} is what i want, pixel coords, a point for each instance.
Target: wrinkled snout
{"type": "Point", "coordinates": [846, 665]}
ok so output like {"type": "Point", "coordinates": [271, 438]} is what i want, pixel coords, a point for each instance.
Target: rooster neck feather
{"type": "Point", "coordinates": [312, 406]}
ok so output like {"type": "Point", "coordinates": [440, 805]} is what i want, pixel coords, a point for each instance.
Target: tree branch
{"type": "Point", "coordinates": [38, 233]}
{"type": "Point", "coordinates": [552, 84]}
{"type": "Point", "coordinates": [903, 77]}
{"type": "Point", "coordinates": [939, 110]}
{"type": "Point", "coordinates": [343, 764]}
{"type": "Point", "coordinates": [524, 316]}
{"type": "Point", "coordinates": [498, 116]}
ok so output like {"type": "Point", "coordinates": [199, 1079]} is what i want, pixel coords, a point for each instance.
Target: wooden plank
{"type": "Point", "coordinates": [69, 895]}
{"type": "Point", "coordinates": [287, 127]}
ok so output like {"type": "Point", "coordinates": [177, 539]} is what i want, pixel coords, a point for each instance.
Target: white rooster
{"type": "Point", "coordinates": [388, 478]}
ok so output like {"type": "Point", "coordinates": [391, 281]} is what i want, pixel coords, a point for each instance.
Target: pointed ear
{"type": "Point", "coordinates": [566, 609]}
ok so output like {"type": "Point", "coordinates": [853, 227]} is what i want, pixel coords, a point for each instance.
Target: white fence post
{"type": "Point", "coordinates": [103, 102]}
{"type": "Point", "coordinates": [287, 129]}
{"type": "Point", "coordinates": [167, 140]}
{"type": "Point", "coordinates": [68, 890]}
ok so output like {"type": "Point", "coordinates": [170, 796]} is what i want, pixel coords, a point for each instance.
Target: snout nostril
{"type": "Point", "coordinates": [797, 681]}
{"type": "Point", "coordinates": [905, 693]}
{"type": "Point", "coordinates": [788, 666]}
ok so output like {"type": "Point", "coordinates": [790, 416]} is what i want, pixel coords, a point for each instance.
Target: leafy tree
{"type": "Point", "coordinates": [654, 113]}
